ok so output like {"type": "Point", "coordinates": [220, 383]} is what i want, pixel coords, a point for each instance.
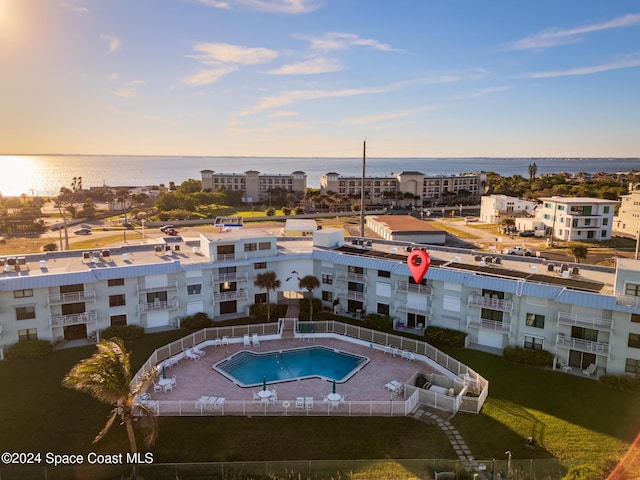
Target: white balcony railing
{"type": "Point", "coordinates": [403, 286]}
{"type": "Point", "coordinates": [166, 287]}
{"type": "Point", "coordinates": [573, 319]}
{"type": "Point", "coordinates": [490, 303]}
{"type": "Point", "coordinates": [402, 307]}
{"type": "Point", "coordinates": [74, 319]}
{"type": "Point", "coordinates": [351, 277]}
{"type": "Point", "coordinates": [72, 297]}
{"type": "Point", "coordinates": [231, 277]}
{"type": "Point", "coordinates": [228, 296]}
{"type": "Point", "coordinates": [158, 306]}
{"type": "Point", "coordinates": [351, 295]}
{"type": "Point", "coordinates": [599, 348]}
{"type": "Point", "coordinates": [627, 300]}
{"type": "Point", "coordinates": [484, 324]}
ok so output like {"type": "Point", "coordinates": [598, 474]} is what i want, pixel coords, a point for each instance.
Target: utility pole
{"type": "Point", "coordinates": [364, 157]}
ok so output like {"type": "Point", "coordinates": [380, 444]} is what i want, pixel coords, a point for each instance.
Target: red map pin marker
{"type": "Point", "coordinates": [418, 262]}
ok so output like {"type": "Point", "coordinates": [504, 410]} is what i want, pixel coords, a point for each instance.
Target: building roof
{"type": "Point", "coordinates": [577, 200]}
{"type": "Point", "coordinates": [405, 223]}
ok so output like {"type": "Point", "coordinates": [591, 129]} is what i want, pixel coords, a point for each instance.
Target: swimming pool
{"type": "Point", "coordinates": [248, 369]}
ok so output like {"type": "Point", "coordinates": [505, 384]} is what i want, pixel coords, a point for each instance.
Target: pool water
{"type": "Point", "coordinates": [249, 369]}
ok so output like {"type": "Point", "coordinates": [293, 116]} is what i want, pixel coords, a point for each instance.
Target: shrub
{"type": "Point", "coordinates": [29, 349]}
{"type": "Point", "coordinates": [125, 332]}
{"type": "Point", "coordinates": [444, 337]}
{"type": "Point", "coordinates": [377, 321]}
{"type": "Point", "coordinates": [584, 472]}
{"type": "Point", "coordinates": [271, 212]}
{"type": "Point", "coordinates": [625, 382]}
{"type": "Point", "coordinates": [259, 310]}
{"type": "Point", "coordinates": [196, 321]}
{"type": "Point", "coordinates": [50, 247]}
{"type": "Point", "coordinates": [540, 358]}
{"type": "Point", "coordinates": [304, 307]}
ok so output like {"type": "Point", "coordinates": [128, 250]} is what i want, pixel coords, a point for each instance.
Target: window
{"type": "Point", "coordinates": [327, 296]}
{"type": "Point", "coordinates": [250, 247]}
{"type": "Point", "coordinates": [115, 282]}
{"type": "Point", "coordinates": [384, 273]}
{"type": "Point", "coordinates": [534, 320]}
{"type": "Point", "coordinates": [118, 320]}
{"type": "Point", "coordinates": [632, 366]}
{"type": "Point", "coordinates": [584, 333]}
{"type": "Point", "coordinates": [416, 320]}
{"type": "Point", "coordinates": [260, 265]}
{"type": "Point", "coordinates": [27, 334]}
{"type": "Point", "coordinates": [358, 270]}
{"type": "Point", "coordinates": [355, 287]}
{"type": "Point", "coordinates": [260, 298]}
{"type": "Point", "coordinates": [195, 289]}
{"type": "Point", "coordinates": [532, 343]}
{"type": "Point", "coordinates": [228, 287]}
{"type": "Point", "coordinates": [23, 293]}
{"type": "Point", "coordinates": [327, 279]}
{"type": "Point", "coordinates": [117, 300]}
{"type": "Point", "coordinates": [635, 318]}
{"type": "Point", "coordinates": [383, 308]}
{"type": "Point", "coordinates": [632, 289]}
{"type": "Point", "coordinates": [228, 307]}
{"type": "Point", "coordinates": [25, 313]}
{"type": "Point", "coordinates": [264, 246]}
{"type": "Point", "coordinates": [634, 340]}
{"type": "Point", "coordinates": [605, 221]}
{"type": "Point", "coordinates": [605, 210]}
{"type": "Point", "coordinates": [225, 270]}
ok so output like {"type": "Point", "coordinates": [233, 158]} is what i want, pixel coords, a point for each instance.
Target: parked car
{"type": "Point", "coordinates": [527, 233]}
{"type": "Point", "coordinates": [171, 231]}
{"type": "Point", "coordinates": [166, 227]}
{"type": "Point", "coordinates": [519, 251]}
{"type": "Point", "coordinates": [83, 231]}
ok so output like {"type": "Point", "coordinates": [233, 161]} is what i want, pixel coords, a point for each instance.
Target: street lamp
{"type": "Point", "coordinates": [508, 453]}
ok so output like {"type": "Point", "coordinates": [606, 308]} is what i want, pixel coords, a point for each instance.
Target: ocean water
{"type": "Point", "coordinates": [45, 174]}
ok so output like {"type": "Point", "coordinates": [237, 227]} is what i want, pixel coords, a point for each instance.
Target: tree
{"type": "Point", "coordinates": [578, 251]}
{"type": "Point", "coordinates": [106, 376]}
{"type": "Point", "coordinates": [309, 283]}
{"type": "Point", "coordinates": [269, 281]}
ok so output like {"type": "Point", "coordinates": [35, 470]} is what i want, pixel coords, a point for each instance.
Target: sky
{"type": "Point", "coordinates": [415, 78]}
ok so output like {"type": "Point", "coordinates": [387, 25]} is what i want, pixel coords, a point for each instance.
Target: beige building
{"type": "Point", "coordinates": [408, 188]}
{"type": "Point", "coordinates": [255, 186]}
{"type": "Point", "coordinates": [628, 220]}
{"type": "Point", "coordinates": [405, 228]}
{"type": "Point", "coordinates": [577, 218]}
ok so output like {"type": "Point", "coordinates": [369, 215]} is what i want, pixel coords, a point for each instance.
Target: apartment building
{"type": "Point", "coordinates": [255, 186]}
{"type": "Point", "coordinates": [408, 188]}
{"type": "Point", "coordinates": [583, 316]}
{"type": "Point", "coordinates": [495, 208]}
{"type": "Point", "coordinates": [577, 218]}
{"type": "Point", "coordinates": [628, 220]}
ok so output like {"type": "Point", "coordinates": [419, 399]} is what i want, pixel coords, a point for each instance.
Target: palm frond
{"type": "Point", "coordinates": [105, 429]}
{"type": "Point", "coordinates": [151, 431]}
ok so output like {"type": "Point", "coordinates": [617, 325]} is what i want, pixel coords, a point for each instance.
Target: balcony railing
{"type": "Point", "coordinates": [573, 319]}
{"type": "Point", "coordinates": [228, 296]}
{"type": "Point", "coordinates": [627, 300]}
{"type": "Point", "coordinates": [403, 286]}
{"type": "Point", "coordinates": [351, 295]}
{"type": "Point", "coordinates": [491, 303]}
{"type": "Point", "coordinates": [74, 319]}
{"type": "Point", "coordinates": [72, 297]}
{"type": "Point", "coordinates": [166, 287]}
{"type": "Point", "coordinates": [158, 306]}
{"type": "Point", "coordinates": [484, 324]}
{"type": "Point", "coordinates": [402, 307]}
{"type": "Point", "coordinates": [351, 277]}
{"type": "Point", "coordinates": [252, 254]}
{"type": "Point", "coordinates": [599, 348]}
{"type": "Point", "coordinates": [231, 277]}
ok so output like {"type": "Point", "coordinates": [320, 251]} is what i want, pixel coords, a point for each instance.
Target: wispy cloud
{"type": "Point", "coordinates": [292, 7]}
{"type": "Point", "coordinates": [309, 67]}
{"type": "Point", "coordinates": [284, 113]}
{"type": "Point", "coordinates": [74, 6]}
{"type": "Point", "coordinates": [554, 38]}
{"type": "Point", "coordinates": [389, 116]}
{"type": "Point", "coordinates": [114, 42]}
{"type": "Point", "coordinates": [631, 62]}
{"type": "Point", "coordinates": [206, 77]}
{"type": "Point", "coordinates": [342, 41]}
{"type": "Point", "coordinates": [113, 77]}
{"type": "Point", "coordinates": [130, 89]}
{"type": "Point", "coordinates": [481, 93]}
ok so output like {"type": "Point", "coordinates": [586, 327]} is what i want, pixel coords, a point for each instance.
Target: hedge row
{"type": "Point", "coordinates": [626, 382]}
{"type": "Point", "coordinates": [29, 349]}
{"type": "Point", "coordinates": [444, 337]}
{"type": "Point", "coordinates": [540, 358]}
{"type": "Point", "coordinates": [125, 332]}
{"type": "Point", "coordinates": [197, 321]}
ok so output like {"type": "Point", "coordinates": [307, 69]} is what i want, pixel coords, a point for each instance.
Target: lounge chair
{"type": "Point", "coordinates": [167, 387]}
{"type": "Point", "coordinates": [300, 403]}
{"type": "Point", "coordinates": [219, 403]}
{"type": "Point", "coordinates": [217, 342]}
{"type": "Point", "coordinates": [256, 397]}
{"type": "Point", "coordinates": [590, 370]}
{"type": "Point", "coordinates": [191, 356]}
{"type": "Point", "coordinates": [308, 403]}
{"type": "Point", "coordinates": [247, 341]}
{"type": "Point", "coordinates": [387, 349]}
{"type": "Point", "coordinates": [255, 340]}
{"type": "Point", "coordinates": [156, 387]}
{"type": "Point", "coordinates": [394, 387]}
{"type": "Point", "coordinates": [198, 351]}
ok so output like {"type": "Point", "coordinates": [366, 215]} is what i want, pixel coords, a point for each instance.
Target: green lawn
{"type": "Point", "coordinates": [573, 419]}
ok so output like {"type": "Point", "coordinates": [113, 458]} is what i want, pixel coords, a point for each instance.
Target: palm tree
{"type": "Point", "coordinates": [578, 251]}
{"type": "Point", "coordinates": [106, 376]}
{"type": "Point", "coordinates": [309, 283]}
{"type": "Point", "coordinates": [269, 281]}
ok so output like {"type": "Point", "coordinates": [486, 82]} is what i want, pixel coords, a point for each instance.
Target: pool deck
{"type": "Point", "coordinates": [198, 378]}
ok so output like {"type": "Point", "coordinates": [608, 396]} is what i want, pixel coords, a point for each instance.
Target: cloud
{"type": "Point", "coordinates": [284, 113]}
{"type": "Point", "coordinates": [631, 62]}
{"type": "Point", "coordinates": [74, 7]}
{"type": "Point", "coordinates": [209, 53]}
{"type": "Point", "coordinates": [309, 67]}
{"type": "Point", "coordinates": [114, 42]}
{"type": "Point", "coordinates": [113, 77]}
{"type": "Point", "coordinates": [342, 41]}
{"type": "Point", "coordinates": [129, 89]}
{"type": "Point", "coordinates": [206, 77]}
{"type": "Point", "coordinates": [292, 7]}
{"type": "Point", "coordinates": [481, 93]}
{"type": "Point", "coordinates": [385, 117]}
{"type": "Point", "coordinates": [553, 38]}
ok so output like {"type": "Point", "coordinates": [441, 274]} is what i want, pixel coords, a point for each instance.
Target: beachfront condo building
{"type": "Point", "coordinates": [575, 219]}
{"type": "Point", "coordinates": [409, 188]}
{"type": "Point", "coordinates": [583, 314]}
{"type": "Point", "coordinates": [255, 186]}
{"type": "Point", "coordinates": [628, 220]}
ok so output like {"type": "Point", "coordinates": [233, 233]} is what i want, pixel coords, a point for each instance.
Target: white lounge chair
{"type": "Point", "coordinates": [394, 387]}
{"type": "Point", "coordinates": [191, 356]}
{"type": "Point", "coordinates": [590, 370]}
{"type": "Point", "coordinates": [217, 342]}
{"type": "Point", "coordinates": [219, 403]}
{"type": "Point", "coordinates": [308, 403]}
{"type": "Point", "coordinates": [256, 396]}
{"type": "Point", "coordinates": [300, 403]}
{"type": "Point", "coordinates": [156, 387]}
{"type": "Point", "coordinates": [225, 340]}
{"type": "Point", "coordinates": [387, 349]}
{"type": "Point", "coordinates": [255, 340]}
{"type": "Point", "coordinates": [198, 351]}
{"type": "Point", "coordinates": [247, 341]}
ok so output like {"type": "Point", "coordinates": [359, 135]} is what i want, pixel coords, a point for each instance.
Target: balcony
{"type": "Point", "coordinates": [411, 287]}
{"type": "Point", "coordinates": [166, 287]}
{"type": "Point", "coordinates": [250, 255]}
{"type": "Point", "coordinates": [402, 307]}
{"type": "Point", "coordinates": [484, 324]}
{"type": "Point", "coordinates": [231, 277]}
{"type": "Point", "coordinates": [158, 306]}
{"type": "Point", "coordinates": [490, 303]}
{"type": "Point", "coordinates": [72, 297]}
{"type": "Point", "coordinates": [74, 319]}
{"type": "Point", "coordinates": [351, 295]}
{"type": "Point", "coordinates": [229, 296]}
{"type": "Point", "coordinates": [581, 345]}
{"type": "Point", "coordinates": [627, 300]}
{"type": "Point", "coordinates": [351, 277]}
{"type": "Point", "coordinates": [573, 319]}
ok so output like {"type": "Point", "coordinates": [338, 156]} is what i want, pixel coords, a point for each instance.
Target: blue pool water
{"type": "Point", "coordinates": [248, 369]}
